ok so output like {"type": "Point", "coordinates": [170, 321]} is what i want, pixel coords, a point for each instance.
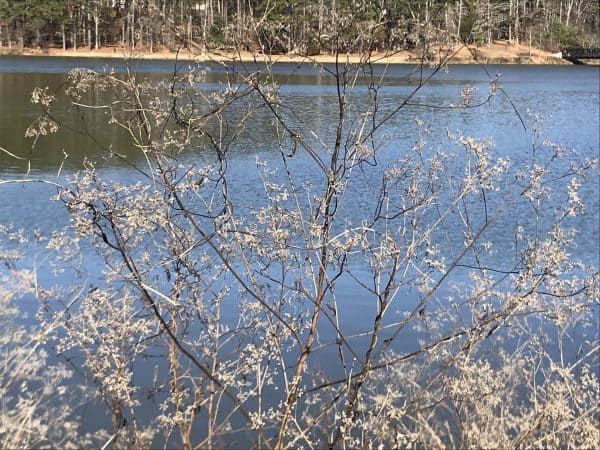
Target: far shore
{"type": "Point", "coordinates": [500, 52]}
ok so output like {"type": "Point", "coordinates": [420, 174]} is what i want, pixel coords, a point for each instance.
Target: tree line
{"type": "Point", "coordinates": [299, 26]}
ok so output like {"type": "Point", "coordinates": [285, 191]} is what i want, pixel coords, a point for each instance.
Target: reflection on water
{"type": "Point", "coordinates": [567, 96]}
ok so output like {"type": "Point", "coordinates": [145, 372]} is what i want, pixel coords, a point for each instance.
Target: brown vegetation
{"type": "Point", "coordinates": [500, 52]}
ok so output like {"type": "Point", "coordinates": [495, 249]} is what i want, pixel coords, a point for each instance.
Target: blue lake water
{"type": "Point", "coordinates": [566, 97]}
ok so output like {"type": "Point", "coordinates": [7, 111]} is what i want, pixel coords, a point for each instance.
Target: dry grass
{"type": "Point", "coordinates": [501, 52]}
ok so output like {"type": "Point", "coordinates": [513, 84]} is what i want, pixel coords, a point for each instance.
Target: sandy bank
{"type": "Point", "coordinates": [500, 52]}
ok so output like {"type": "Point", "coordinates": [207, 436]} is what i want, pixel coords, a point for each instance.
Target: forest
{"type": "Point", "coordinates": [300, 26]}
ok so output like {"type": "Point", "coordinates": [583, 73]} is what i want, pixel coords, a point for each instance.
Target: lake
{"type": "Point", "coordinates": [537, 103]}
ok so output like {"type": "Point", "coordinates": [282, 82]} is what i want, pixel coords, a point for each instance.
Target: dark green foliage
{"type": "Point", "coordinates": [300, 26]}
{"type": "Point", "coordinates": [564, 35]}
{"type": "Point", "coordinates": [31, 21]}
{"type": "Point", "coordinates": [313, 48]}
{"type": "Point", "coordinates": [470, 28]}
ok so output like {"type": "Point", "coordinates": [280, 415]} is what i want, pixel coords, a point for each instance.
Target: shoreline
{"type": "Point", "coordinates": [500, 52]}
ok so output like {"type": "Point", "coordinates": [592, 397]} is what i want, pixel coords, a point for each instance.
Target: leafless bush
{"type": "Point", "coordinates": [238, 309]}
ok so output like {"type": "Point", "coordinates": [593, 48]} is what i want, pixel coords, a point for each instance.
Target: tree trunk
{"type": "Point", "coordinates": [517, 24]}
{"type": "Point", "coordinates": [132, 25]}
{"type": "Point", "coordinates": [460, 7]}
{"type": "Point", "coordinates": [489, 23]}
{"type": "Point", "coordinates": [190, 37]}
{"type": "Point", "coordinates": [96, 31]}
{"type": "Point", "coordinates": [20, 42]}
{"type": "Point", "coordinates": [569, 10]}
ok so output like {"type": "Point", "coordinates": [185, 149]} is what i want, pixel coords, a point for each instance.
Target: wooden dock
{"type": "Point", "coordinates": [576, 55]}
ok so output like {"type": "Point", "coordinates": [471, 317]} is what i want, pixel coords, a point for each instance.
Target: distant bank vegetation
{"type": "Point", "coordinates": [307, 27]}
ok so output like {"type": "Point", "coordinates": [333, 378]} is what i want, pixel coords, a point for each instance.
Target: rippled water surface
{"type": "Point", "coordinates": [567, 97]}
